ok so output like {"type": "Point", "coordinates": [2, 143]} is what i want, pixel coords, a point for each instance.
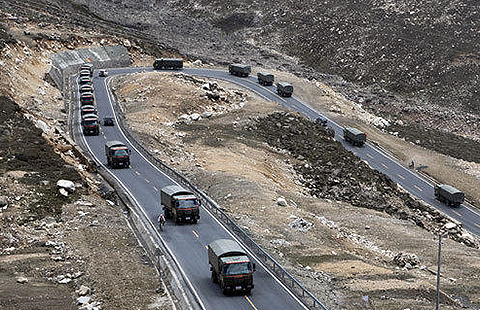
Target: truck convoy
{"type": "Point", "coordinates": [354, 136]}
{"type": "Point", "coordinates": [284, 89]}
{"type": "Point", "coordinates": [449, 195]}
{"type": "Point", "coordinates": [168, 63]}
{"type": "Point", "coordinates": [118, 154]}
{"type": "Point", "coordinates": [230, 266]}
{"type": "Point", "coordinates": [265, 78]}
{"type": "Point", "coordinates": [239, 69]}
{"type": "Point", "coordinates": [180, 204]}
{"type": "Point", "coordinates": [90, 125]}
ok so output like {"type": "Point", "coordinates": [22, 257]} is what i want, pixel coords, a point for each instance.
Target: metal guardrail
{"type": "Point", "coordinates": [286, 278]}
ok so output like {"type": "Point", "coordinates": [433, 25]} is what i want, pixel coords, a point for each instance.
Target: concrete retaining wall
{"type": "Point", "coordinates": [67, 63]}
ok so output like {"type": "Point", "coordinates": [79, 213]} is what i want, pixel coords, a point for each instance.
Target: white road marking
{"type": "Point", "coordinates": [456, 213]}
{"type": "Point", "coordinates": [400, 176]}
{"type": "Point", "coordinates": [418, 188]}
{"type": "Point", "coordinates": [368, 155]}
{"type": "Point", "coordinates": [385, 166]}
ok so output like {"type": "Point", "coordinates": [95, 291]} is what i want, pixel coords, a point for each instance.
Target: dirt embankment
{"type": "Point", "coordinates": [247, 153]}
{"type": "Point", "coordinates": [55, 249]}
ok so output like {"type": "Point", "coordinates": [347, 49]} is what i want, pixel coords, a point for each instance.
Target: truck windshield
{"type": "Point", "coordinates": [90, 123]}
{"type": "Point", "coordinates": [237, 268]}
{"type": "Point", "coordinates": [187, 203]}
{"type": "Point", "coordinates": [120, 152]}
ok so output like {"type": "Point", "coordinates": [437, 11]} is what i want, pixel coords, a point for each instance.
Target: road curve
{"type": "Point", "coordinates": [187, 242]}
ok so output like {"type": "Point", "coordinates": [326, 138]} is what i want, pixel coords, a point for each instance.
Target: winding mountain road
{"type": "Point", "coordinates": [187, 242]}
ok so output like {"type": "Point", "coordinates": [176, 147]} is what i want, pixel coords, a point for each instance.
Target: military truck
{"type": "Point", "coordinates": [85, 80]}
{"type": "Point", "coordinates": [118, 154]}
{"type": "Point", "coordinates": [87, 66]}
{"type": "Point", "coordinates": [88, 109]}
{"type": "Point", "coordinates": [87, 99]}
{"type": "Point", "coordinates": [449, 195]}
{"type": "Point", "coordinates": [180, 204]}
{"type": "Point", "coordinates": [284, 89]}
{"type": "Point", "coordinates": [265, 78]}
{"type": "Point", "coordinates": [90, 125]}
{"type": "Point", "coordinates": [354, 136]}
{"type": "Point", "coordinates": [239, 69]}
{"type": "Point", "coordinates": [86, 89]}
{"type": "Point", "coordinates": [230, 266]}
{"type": "Point", "coordinates": [168, 63]}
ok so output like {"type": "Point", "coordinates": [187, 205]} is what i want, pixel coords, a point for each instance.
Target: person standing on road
{"type": "Point", "coordinates": [161, 221]}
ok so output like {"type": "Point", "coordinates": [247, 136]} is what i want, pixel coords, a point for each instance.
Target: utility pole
{"type": "Point", "coordinates": [438, 269]}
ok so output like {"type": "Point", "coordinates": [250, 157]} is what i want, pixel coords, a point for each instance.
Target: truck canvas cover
{"type": "Point", "coordinates": [235, 259]}
{"type": "Point", "coordinates": [176, 190]}
{"type": "Point", "coordinates": [450, 189]}
{"type": "Point", "coordinates": [90, 117]}
{"type": "Point", "coordinates": [354, 131]}
{"type": "Point", "coordinates": [111, 144]}
{"type": "Point", "coordinates": [226, 247]}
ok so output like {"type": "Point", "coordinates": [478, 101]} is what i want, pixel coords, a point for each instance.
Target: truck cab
{"type": "Point", "coordinates": [90, 125]}
{"type": "Point", "coordinates": [180, 204]}
{"type": "Point", "coordinates": [230, 266]}
{"type": "Point", "coordinates": [118, 154]}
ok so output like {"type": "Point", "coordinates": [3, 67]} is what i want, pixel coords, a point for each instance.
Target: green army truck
{"type": "Point", "coordinates": [180, 204]}
{"type": "Point", "coordinates": [230, 266]}
{"type": "Point", "coordinates": [449, 195]}
{"type": "Point", "coordinates": [354, 136]}
{"type": "Point", "coordinates": [90, 124]}
{"type": "Point", "coordinates": [265, 78]}
{"type": "Point", "coordinates": [239, 69]}
{"type": "Point", "coordinates": [284, 89]}
{"type": "Point", "coordinates": [168, 63]}
{"type": "Point", "coordinates": [118, 154]}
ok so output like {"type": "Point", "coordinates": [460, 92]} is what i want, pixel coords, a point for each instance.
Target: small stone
{"type": "Point", "coordinates": [22, 280]}
{"type": "Point", "coordinates": [63, 192]}
{"type": "Point", "coordinates": [83, 290]}
{"type": "Point", "coordinates": [367, 227]}
{"type": "Point", "coordinates": [3, 201]}
{"type": "Point", "coordinates": [197, 62]}
{"type": "Point", "coordinates": [282, 202]}
{"type": "Point", "coordinates": [65, 281]}
{"type": "Point", "coordinates": [66, 184]}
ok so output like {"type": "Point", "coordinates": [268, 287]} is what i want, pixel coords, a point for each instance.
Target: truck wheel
{"type": "Point", "coordinates": [214, 277]}
{"type": "Point", "coordinates": [176, 219]}
{"type": "Point", "coordinates": [194, 221]}
{"type": "Point", "coordinates": [248, 291]}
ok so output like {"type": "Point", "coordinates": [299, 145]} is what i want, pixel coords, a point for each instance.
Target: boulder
{"type": "Point", "coordinates": [43, 126]}
{"type": "Point", "coordinates": [282, 202]}
{"type": "Point", "coordinates": [67, 185]}
{"type": "Point", "coordinates": [406, 260]}
{"type": "Point", "coordinates": [207, 114]}
{"type": "Point", "coordinates": [197, 62]}
{"type": "Point", "coordinates": [3, 201]}
{"type": "Point", "coordinates": [22, 280]}
{"type": "Point", "coordinates": [450, 226]}
{"type": "Point", "coordinates": [195, 116]}
{"type": "Point", "coordinates": [83, 300]}
{"type": "Point", "coordinates": [184, 118]}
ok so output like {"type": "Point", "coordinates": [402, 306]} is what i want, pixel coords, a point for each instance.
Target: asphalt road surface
{"type": "Point", "coordinates": [188, 242]}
